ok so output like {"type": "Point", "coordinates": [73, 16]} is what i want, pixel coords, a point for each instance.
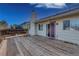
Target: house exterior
{"type": "Point", "coordinates": [62, 26]}
{"type": "Point", "coordinates": [32, 30]}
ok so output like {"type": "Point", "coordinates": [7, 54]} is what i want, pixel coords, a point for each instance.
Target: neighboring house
{"type": "Point", "coordinates": [14, 26]}
{"type": "Point", "coordinates": [25, 25]}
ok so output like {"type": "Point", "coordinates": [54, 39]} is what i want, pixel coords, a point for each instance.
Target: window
{"type": "Point", "coordinates": [47, 26]}
{"type": "Point", "coordinates": [40, 26]}
{"type": "Point", "coordinates": [74, 24]}
{"type": "Point", "coordinates": [66, 24]}
{"type": "Point", "coordinates": [48, 29]}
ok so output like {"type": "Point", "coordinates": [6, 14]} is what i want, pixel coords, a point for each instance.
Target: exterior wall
{"type": "Point", "coordinates": [32, 30]}
{"type": "Point", "coordinates": [44, 31]}
{"type": "Point", "coordinates": [67, 35]}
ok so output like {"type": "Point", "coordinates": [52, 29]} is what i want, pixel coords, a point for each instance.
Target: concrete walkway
{"type": "Point", "coordinates": [39, 46]}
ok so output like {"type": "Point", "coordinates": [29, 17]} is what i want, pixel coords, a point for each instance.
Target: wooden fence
{"type": "Point", "coordinates": [12, 31]}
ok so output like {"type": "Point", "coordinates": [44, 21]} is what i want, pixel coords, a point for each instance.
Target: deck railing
{"type": "Point", "coordinates": [12, 32]}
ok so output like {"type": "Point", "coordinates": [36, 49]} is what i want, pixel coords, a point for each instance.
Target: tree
{"type": "Point", "coordinates": [3, 25]}
{"type": "Point", "coordinates": [2, 22]}
{"type": "Point", "coordinates": [15, 26]}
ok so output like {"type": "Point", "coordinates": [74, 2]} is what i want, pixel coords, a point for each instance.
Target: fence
{"type": "Point", "coordinates": [12, 31]}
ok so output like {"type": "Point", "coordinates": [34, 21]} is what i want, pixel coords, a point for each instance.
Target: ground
{"type": "Point", "coordinates": [38, 46]}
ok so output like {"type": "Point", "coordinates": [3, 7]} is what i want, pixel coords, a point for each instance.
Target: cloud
{"type": "Point", "coordinates": [50, 5]}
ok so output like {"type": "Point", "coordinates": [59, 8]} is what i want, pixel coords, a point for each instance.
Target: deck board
{"type": "Point", "coordinates": [39, 46]}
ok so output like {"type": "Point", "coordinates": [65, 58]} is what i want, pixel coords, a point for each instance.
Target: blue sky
{"type": "Point", "coordinates": [17, 13]}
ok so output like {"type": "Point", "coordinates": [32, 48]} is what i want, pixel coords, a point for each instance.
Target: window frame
{"type": "Point", "coordinates": [66, 24]}
{"type": "Point", "coordinates": [40, 27]}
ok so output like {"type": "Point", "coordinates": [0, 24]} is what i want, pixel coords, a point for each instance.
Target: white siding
{"type": "Point", "coordinates": [41, 32]}
{"type": "Point", "coordinates": [67, 35]}
{"type": "Point", "coordinates": [32, 30]}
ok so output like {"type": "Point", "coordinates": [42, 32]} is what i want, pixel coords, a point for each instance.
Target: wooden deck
{"type": "Point", "coordinates": [39, 46]}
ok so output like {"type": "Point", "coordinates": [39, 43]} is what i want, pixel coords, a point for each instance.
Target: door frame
{"type": "Point", "coordinates": [49, 29]}
{"type": "Point", "coordinates": [52, 29]}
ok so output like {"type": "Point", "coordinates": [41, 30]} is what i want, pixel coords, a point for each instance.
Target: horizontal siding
{"type": "Point", "coordinates": [42, 32]}
{"type": "Point", "coordinates": [67, 35]}
{"type": "Point", "coordinates": [32, 30]}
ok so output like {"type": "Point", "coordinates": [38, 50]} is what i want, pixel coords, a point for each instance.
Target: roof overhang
{"type": "Point", "coordinates": [60, 15]}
